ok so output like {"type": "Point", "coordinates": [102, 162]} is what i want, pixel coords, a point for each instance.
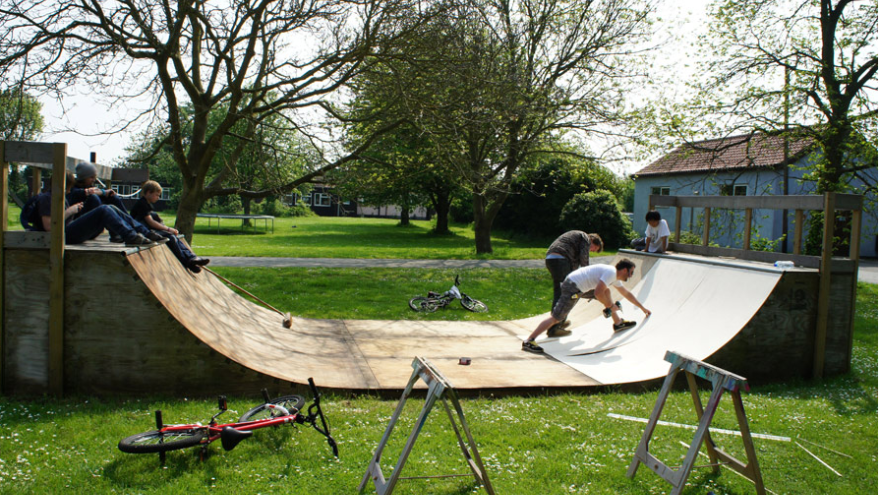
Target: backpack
{"type": "Point", "coordinates": [29, 215]}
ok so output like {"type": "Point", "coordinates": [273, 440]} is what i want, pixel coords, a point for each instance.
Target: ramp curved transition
{"type": "Point", "coordinates": [697, 309]}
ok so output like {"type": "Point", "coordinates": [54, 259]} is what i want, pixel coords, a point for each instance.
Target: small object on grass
{"type": "Point", "coordinates": [817, 458]}
{"type": "Point", "coordinates": [465, 361]}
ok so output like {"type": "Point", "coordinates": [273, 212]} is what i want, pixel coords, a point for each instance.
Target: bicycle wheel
{"type": "Point", "coordinates": [293, 403]}
{"type": "Point", "coordinates": [472, 304]}
{"type": "Point", "coordinates": [424, 304]}
{"type": "Point", "coordinates": [151, 442]}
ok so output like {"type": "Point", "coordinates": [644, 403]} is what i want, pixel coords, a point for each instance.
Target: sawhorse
{"type": "Point", "coordinates": [721, 381]}
{"type": "Point", "coordinates": [438, 388]}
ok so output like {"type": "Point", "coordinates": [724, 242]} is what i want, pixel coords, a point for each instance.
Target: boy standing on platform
{"type": "Point", "coordinates": [142, 211]}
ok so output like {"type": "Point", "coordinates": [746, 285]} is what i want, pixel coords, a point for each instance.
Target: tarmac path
{"type": "Point", "coordinates": [867, 268]}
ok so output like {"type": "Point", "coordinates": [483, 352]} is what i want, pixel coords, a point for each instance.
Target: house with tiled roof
{"type": "Point", "coordinates": [747, 165]}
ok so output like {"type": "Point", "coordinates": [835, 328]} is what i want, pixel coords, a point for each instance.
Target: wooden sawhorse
{"type": "Point", "coordinates": [438, 388]}
{"type": "Point", "coordinates": [721, 381]}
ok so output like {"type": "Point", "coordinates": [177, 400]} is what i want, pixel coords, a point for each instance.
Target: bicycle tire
{"type": "Point", "coordinates": [424, 304]}
{"type": "Point", "coordinates": [151, 442]}
{"type": "Point", "coordinates": [474, 305]}
{"type": "Point", "coordinates": [293, 403]}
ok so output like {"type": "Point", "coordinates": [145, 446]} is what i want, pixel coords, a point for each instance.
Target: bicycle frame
{"type": "Point", "coordinates": [231, 434]}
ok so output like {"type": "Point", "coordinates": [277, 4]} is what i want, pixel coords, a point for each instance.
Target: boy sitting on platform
{"type": "Point", "coordinates": [80, 227]}
{"type": "Point", "coordinates": [656, 238]}
{"type": "Point", "coordinates": [142, 211]}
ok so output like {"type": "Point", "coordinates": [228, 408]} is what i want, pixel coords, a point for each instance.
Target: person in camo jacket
{"type": "Point", "coordinates": [568, 252]}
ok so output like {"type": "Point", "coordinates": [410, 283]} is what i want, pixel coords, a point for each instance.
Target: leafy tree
{"type": "Point", "coordinates": [543, 192]}
{"type": "Point", "coordinates": [20, 120]}
{"type": "Point", "coordinates": [599, 212]}
{"type": "Point", "coordinates": [491, 82]}
{"type": "Point", "coordinates": [802, 68]}
{"type": "Point", "coordinates": [255, 59]}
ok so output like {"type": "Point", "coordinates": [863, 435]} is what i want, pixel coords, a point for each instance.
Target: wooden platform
{"type": "Point", "coordinates": [137, 322]}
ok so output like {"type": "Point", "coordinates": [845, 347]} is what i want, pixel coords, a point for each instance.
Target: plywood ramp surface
{"type": "Point", "coordinates": [697, 308]}
{"type": "Point", "coordinates": [345, 354]}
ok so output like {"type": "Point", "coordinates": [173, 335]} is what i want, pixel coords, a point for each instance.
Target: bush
{"type": "Point", "coordinates": [598, 212]}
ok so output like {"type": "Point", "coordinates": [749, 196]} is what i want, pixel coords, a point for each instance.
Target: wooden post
{"type": "Point", "coordinates": [747, 233]}
{"type": "Point", "coordinates": [36, 181]}
{"type": "Point", "coordinates": [824, 288]}
{"type": "Point", "coordinates": [677, 224]}
{"type": "Point", "coordinates": [56, 272]}
{"type": "Point", "coordinates": [855, 237]}
{"type": "Point", "coordinates": [4, 215]}
{"type": "Point", "coordinates": [798, 230]}
{"type": "Point", "coordinates": [707, 212]}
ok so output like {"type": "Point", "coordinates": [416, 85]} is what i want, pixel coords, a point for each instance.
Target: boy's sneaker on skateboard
{"type": "Point", "coordinates": [560, 329]}
{"type": "Point", "coordinates": [531, 346]}
{"type": "Point", "coordinates": [624, 325]}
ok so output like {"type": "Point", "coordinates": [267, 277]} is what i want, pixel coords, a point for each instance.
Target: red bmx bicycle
{"type": "Point", "coordinates": [275, 412]}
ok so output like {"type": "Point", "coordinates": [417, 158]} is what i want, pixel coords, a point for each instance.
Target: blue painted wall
{"type": "Point", "coordinates": [727, 227]}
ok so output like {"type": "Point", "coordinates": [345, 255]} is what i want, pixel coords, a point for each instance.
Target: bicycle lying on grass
{"type": "Point", "coordinates": [433, 301]}
{"type": "Point", "coordinates": [274, 412]}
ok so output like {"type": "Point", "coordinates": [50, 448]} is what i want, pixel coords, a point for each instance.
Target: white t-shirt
{"type": "Point", "coordinates": [656, 233]}
{"type": "Point", "coordinates": [588, 277]}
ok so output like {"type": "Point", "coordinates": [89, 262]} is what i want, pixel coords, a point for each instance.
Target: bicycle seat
{"type": "Point", "coordinates": [434, 294]}
{"type": "Point", "coordinates": [230, 437]}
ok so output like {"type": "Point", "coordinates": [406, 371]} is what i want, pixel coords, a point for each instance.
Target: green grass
{"type": "Point", "coordinates": [531, 445]}
{"type": "Point", "coordinates": [329, 237]}
{"type": "Point", "coordinates": [382, 293]}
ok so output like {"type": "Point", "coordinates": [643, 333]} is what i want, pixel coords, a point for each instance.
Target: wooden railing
{"type": "Point", "coordinates": [829, 203]}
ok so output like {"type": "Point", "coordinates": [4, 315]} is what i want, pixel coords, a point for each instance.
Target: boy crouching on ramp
{"type": "Point", "coordinates": [579, 284]}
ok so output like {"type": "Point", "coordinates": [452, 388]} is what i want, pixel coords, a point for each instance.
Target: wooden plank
{"type": "Point", "coordinates": [798, 230]}
{"type": "Point", "coordinates": [4, 215]}
{"type": "Point", "coordinates": [36, 181]}
{"type": "Point", "coordinates": [26, 322]}
{"type": "Point", "coordinates": [824, 289]}
{"type": "Point", "coordinates": [104, 172]}
{"type": "Point", "coordinates": [25, 239]}
{"type": "Point", "coordinates": [763, 256]}
{"type": "Point", "coordinates": [56, 269]}
{"type": "Point", "coordinates": [791, 202]}
{"type": "Point", "coordinates": [707, 223]}
{"type": "Point", "coordinates": [25, 151]}
{"type": "Point", "coordinates": [678, 224]}
{"type": "Point", "coordinates": [747, 230]}
{"type": "Point", "coordinates": [855, 233]}
{"type": "Point", "coordinates": [805, 202]}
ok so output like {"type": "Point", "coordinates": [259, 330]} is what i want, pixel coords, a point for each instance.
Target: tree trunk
{"type": "Point", "coordinates": [246, 206]}
{"type": "Point", "coordinates": [482, 225]}
{"type": "Point", "coordinates": [442, 204]}
{"type": "Point", "coordinates": [404, 215]}
{"type": "Point", "coordinates": [190, 203]}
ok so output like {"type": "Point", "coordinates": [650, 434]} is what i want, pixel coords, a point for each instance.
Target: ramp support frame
{"type": "Point", "coordinates": [721, 381]}
{"type": "Point", "coordinates": [438, 388]}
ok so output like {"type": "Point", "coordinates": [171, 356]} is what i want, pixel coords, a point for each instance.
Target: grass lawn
{"type": "Point", "coordinates": [536, 444]}
{"type": "Point", "coordinates": [329, 237]}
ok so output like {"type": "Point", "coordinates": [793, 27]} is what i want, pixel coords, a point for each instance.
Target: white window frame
{"type": "Point", "coordinates": [322, 199]}
{"type": "Point", "coordinates": [660, 190]}
{"type": "Point", "coordinates": [740, 190]}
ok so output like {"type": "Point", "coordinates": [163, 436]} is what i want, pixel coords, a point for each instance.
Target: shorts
{"type": "Point", "coordinates": [567, 299]}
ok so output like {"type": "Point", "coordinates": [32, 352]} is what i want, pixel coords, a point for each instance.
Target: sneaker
{"type": "Point", "coordinates": [137, 240]}
{"type": "Point", "coordinates": [199, 261]}
{"type": "Point", "coordinates": [194, 268]}
{"type": "Point", "coordinates": [559, 329]}
{"type": "Point", "coordinates": [531, 346]}
{"type": "Point", "coordinates": [116, 238]}
{"type": "Point", "coordinates": [158, 239]}
{"type": "Point", "coordinates": [624, 325]}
